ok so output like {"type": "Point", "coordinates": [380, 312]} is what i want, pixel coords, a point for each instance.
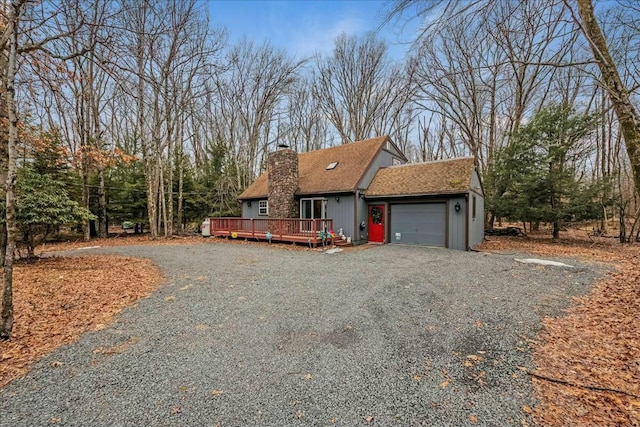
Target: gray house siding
{"type": "Point", "coordinates": [456, 220]}
{"type": "Point", "coordinates": [476, 224]}
{"type": "Point", "coordinates": [250, 211]}
{"type": "Point", "coordinates": [341, 212]}
{"type": "Point", "coordinates": [383, 159]}
{"type": "Point", "coordinates": [362, 214]}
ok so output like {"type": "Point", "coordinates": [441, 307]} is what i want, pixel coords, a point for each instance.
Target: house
{"type": "Point", "coordinates": [372, 195]}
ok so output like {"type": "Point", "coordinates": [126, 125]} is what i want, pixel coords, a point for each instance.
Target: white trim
{"type": "Point", "coordinates": [263, 207]}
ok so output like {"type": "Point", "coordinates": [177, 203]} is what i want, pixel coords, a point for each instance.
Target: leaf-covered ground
{"type": "Point", "coordinates": [57, 299]}
{"type": "Point", "coordinates": [588, 361]}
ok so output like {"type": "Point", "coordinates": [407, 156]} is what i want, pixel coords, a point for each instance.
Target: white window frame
{"type": "Point", "coordinates": [323, 213]}
{"type": "Point", "coordinates": [263, 207]}
{"type": "Point", "coordinates": [396, 162]}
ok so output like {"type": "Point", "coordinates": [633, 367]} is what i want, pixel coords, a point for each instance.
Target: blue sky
{"type": "Point", "coordinates": [306, 27]}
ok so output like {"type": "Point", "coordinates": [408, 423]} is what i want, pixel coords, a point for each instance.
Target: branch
{"type": "Point", "coordinates": [40, 45]}
{"type": "Point", "coordinates": [585, 386]}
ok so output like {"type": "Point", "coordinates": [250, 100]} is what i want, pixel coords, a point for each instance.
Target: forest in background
{"type": "Point", "coordinates": [142, 111]}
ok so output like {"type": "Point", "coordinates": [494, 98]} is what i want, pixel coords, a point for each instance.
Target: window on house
{"type": "Point", "coordinates": [263, 207]}
{"type": "Point", "coordinates": [396, 162]}
{"type": "Point", "coordinates": [473, 207]}
{"type": "Point", "coordinates": [312, 209]}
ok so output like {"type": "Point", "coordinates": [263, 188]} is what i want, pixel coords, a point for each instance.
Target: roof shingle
{"type": "Point", "coordinates": [439, 177]}
{"type": "Point", "coordinates": [353, 161]}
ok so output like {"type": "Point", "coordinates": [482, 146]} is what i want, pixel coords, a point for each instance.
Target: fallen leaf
{"type": "Point", "coordinates": [478, 324]}
{"type": "Point", "coordinates": [54, 420]}
{"type": "Point", "coordinates": [176, 410]}
{"type": "Point", "coordinates": [299, 414]}
{"type": "Point", "coordinates": [473, 418]}
{"type": "Point", "coordinates": [216, 393]}
{"type": "Point", "coordinates": [307, 377]}
{"type": "Point", "coordinates": [170, 299]}
{"type": "Point", "coordinates": [445, 383]}
{"type": "Point", "coordinates": [55, 364]}
{"type": "Point", "coordinates": [369, 419]}
{"type": "Point", "coordinates": [202, 327]}
{"type": "Point", "coordinates": [417, 378]}
{"type": "Point", "coordinates": [527, 409]}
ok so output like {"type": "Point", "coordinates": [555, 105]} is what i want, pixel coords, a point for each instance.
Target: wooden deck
{"type": "Point", "coordinates": [308, 231]}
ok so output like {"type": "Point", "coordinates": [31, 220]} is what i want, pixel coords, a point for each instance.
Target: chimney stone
{"type": "Point", "coordinates": [282, 168]}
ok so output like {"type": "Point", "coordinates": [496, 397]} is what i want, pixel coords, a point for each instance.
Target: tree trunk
{"type": "Point", "coordinates": [102, 202]}
{"type": "Point", "coordinates": [4, 141]}
{"type": "Point", "coordinates": [86, 226]}
{"type": "Point", "coordinates": [6, 316]}
{"type": "Point", "coordinates": [556, 231]}
{"type": "Point", "coordinates": [623, 224]}
{"type": "Point", "coordinates": [628, 116]}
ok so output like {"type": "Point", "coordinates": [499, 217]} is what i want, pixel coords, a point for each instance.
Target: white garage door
{"type": "Point", "coordinates": [419, 224]}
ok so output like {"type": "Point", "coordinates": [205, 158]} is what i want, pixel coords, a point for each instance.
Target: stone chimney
{"type": "Point", "coordinates": [282, 167]}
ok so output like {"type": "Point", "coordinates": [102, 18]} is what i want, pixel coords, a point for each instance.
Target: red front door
{"type": "Point", "coordinates": [376, 223]}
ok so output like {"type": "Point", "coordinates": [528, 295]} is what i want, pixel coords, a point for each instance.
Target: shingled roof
{"type": "Point", "coordinates": [352, 159]}
{"type": "Point", "coordinates": [417, 179]}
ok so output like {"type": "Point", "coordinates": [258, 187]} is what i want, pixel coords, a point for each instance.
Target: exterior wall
{"type": "Point", "coordinates": [391, 148]}
{"type": "Point", "coordinates": [457, 220]}
{"type": "Point", "coordinates": [476, 225]}
{"type": "Point", "coordinates": [251, 212]}
{"type": "Point", "coordinates": [361, 215]}
{"type": "Point", "coordinates": [383, 159]}
{"type": "Point", "coordinates": [283, 184]}
{"type": "Point", "coordinates": [341, 213]}
{"type": "Point", "coordinates": [476, 185]}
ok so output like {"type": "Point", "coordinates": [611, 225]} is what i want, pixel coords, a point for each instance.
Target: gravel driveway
{"type": "Point", "coordinates": [246, 335]}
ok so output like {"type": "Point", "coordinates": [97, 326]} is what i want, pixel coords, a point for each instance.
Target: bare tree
{"type": "Point", "coordinates": [246, 101]}
{"type": "Point", "coordinates": [362, 93]}
{"type": "Point", "coordinates": [303, 127]}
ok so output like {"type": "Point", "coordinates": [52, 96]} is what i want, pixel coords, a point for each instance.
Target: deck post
{"type": "Point", "coordinates": [253, 229]}
{"type": "Point", "coordinates": [314, 233]}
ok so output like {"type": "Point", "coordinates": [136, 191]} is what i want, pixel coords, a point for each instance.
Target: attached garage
{"type": "Point", "coordinates": [418, 224]}
{"type": "Point", "coordinates": [438, 203]}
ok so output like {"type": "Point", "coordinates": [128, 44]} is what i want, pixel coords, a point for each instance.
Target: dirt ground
{"type": "Point", "coordinates": [588, 368]}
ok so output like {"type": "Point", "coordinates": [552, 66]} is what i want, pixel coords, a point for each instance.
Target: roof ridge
{"type": "Point", "coordinates": [346, 144]}
{"type": "Point", "coordinates": [404, 165]}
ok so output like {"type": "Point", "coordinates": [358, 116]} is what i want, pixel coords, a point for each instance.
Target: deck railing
{"type": "Point", "coordinates": [283, 229]}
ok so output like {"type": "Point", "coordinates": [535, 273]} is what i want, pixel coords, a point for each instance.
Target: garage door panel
{"type": "Point", "coordinates": [419, 224]}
